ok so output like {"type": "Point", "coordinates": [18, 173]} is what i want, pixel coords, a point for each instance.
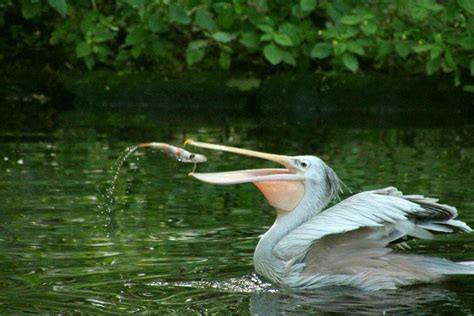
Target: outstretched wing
{"type": "Point", "coordinates": [386, 213]}
{"type": "Point", "coordinates": [347, 243]}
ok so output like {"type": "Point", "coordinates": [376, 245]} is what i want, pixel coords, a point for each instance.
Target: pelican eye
{"type": "Point", "coordinates": [302, 163]}
{"type": "Point", "coordinates": [192, 156]}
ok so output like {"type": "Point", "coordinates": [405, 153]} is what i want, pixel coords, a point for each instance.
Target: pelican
{"type": "Point", "coordinates": [351, 243]}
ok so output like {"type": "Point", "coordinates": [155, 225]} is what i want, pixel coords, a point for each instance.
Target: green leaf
{"type": "Point", "coordinates": [352, 19]}
{"type": "Point", "coordinates": [90, 62]}
{"type": "Point", "coordinates": [308, 5]}
{"type": "Point", "coordinates": [384, 48]}
{"type": "Point", "coordinates": [450, 60]}
{"type": "Point", "coordinates": [432, 5]}
{"type": "Point", "coordinates": [122, 56]}
{"type": "Point", "coordinates": [293, 31]}
{"type": "Point", "coordinates": [135, 3]}
{"type": "Point", "coordinates": [199, 44]}
{"type": "Point", "coordinates": [445, 66]}
{"type": "Point", "coordinates": [471, 67]}
{"type": "Point", "coordinates": [466, 42]}
{"type": "Point", "coordinates": [403, 49]}
{"type": "Point", "coordinates": [195, 52]}
{"type": "Point", "coordinates": [88, 24]}
{"type": "Point", "coordinates": [102, 52]}
{"type": "Point", "coordinates": [104, 36]}
{"type": "Point", "coordinates": [282, 39]}
{"type": "Point", "coordinates": [178, 14]}
{"type": "Point", "coordinates": [433, 65]}
{"type": "Point", "coordinates": [59, 5]}
{"type": "Point", "coordinates": [467, 5]}
{"type": "Point", "coordinates": [136, 35]}
{"type": "Point", "coordinates": [265, 28]}
{"type": "Point", "coordinates": [297, 12]}
{"type": "Point", "coordinates": [436, 52]}
{"type": "Point", "coordinates": [30, 9]}
{"type": "Point", "coordinates": [224, 60]}
{"type": "Point", "coordinates": [261, 5]}
{"type": "Point", "coordinates": [421, 48]}
{"type": "Point", "coordinates": [266, 37]}
{"type": "Point", "coordinates": [457, 79]}
{"type": "Point", "coordinates": [288, 58]}
{"type": "Point", "coordinates": [156, 24]}
{"type": "Point", "coordinates": [204, 20]}
{"type": "Point", "coordinates": [224, 37]}
{"type": "Point", "coordinates": [350, 61]}
{"type": "Point", "coordinates": [136, 51]}
{"type": "Point", "coordinates": [419, 13]}
{"type": "Point", "coordinates": [321, 50]}
{"type": "Point", "coordinates": [225, 14]}
{"type": "Point", "coordinates": [273, 54]}
{"type": "Point", "coordinates": [369, 27]}
{"type": "Point", "coordinates": [82, 50]}
{"type": "Point", "coordinates": [250, 40]}
{"type": "Point", "coordinates": [339, 48]}
{"type": "Point", "coordinates": [351, 31]}
{"type": "Point", "coordinates": [356, 48]}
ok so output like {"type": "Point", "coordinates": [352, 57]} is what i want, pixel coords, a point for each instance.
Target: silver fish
{"type": "Point", "coordinates": [176, 152]}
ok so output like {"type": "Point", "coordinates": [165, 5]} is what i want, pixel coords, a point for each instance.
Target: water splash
{"type": "Point", "coordinates": [106, 207]}
{"type": "Point", "coordinates": [179, 154]}
{"type": "Point", "coordinates": [118, 165]}
{"type": "Point", "coordinates": [175, 152]}
{"type": "Point", "coordinates": [246, 284]}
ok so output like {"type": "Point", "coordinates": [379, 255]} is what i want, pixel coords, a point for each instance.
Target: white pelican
{"type": "Point", "coordinates": [347, 244]}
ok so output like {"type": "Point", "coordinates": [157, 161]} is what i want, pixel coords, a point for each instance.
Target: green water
{"type": "Point", "coordinates": [160, 241]}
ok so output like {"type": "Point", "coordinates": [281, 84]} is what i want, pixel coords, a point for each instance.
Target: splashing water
{"type": "Point", "coordinates": [177, 153]}
{"type": "Point", "coordinates": [109, 193]}
{"type": "Point", "coordinates": [246, 284]}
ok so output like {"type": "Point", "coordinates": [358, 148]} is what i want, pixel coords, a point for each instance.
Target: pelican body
{"type": "Point", "coordinates": [352, 243]}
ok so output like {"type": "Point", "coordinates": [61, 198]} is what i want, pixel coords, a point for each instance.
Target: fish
{"type": "Point", "coordinates": [177, 153]}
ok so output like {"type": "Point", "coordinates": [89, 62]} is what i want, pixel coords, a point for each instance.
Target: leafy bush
{"type": "Point", "coordinates": [412, 36]}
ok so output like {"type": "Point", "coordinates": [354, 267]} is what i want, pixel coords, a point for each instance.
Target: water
{"type": "Point", "coordinates": [76, 235]}
{"type": "Point", "coordinates": [116, 173]}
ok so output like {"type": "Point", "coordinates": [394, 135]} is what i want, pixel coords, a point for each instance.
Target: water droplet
{"type": "Point", "coordinates": [109, 195]}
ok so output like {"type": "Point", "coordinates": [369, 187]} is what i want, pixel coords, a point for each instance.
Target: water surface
{"type": "Point", "coordinates": [162, 242]}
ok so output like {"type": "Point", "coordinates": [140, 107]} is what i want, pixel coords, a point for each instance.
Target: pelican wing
{"type": "Point", "coordinates": [386, 213]}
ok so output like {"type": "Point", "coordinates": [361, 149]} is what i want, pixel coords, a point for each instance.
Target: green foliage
{"type": "Point", "coordinates": [59, 5]}
{"type": "Point", "coordinates": [415, 36]}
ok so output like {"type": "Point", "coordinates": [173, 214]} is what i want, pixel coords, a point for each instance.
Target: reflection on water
{"type": "Point", "coordinates": [161, 242]}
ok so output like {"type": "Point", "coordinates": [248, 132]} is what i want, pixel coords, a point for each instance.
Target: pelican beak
{"type": "Point", "coordinates": [283, 187]}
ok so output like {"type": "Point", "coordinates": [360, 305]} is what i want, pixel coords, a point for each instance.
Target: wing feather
{"type": "Point", "coordinates": [387, 208]}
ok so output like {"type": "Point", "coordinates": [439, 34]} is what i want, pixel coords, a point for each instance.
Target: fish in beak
{"type": "Point", "coordinates": [283, 187]}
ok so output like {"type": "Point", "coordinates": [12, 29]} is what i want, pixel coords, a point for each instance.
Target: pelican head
{"type": "Point", "coordinates": [302, 178]}
{"type": "Point", "coordinates": [319, 179]}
